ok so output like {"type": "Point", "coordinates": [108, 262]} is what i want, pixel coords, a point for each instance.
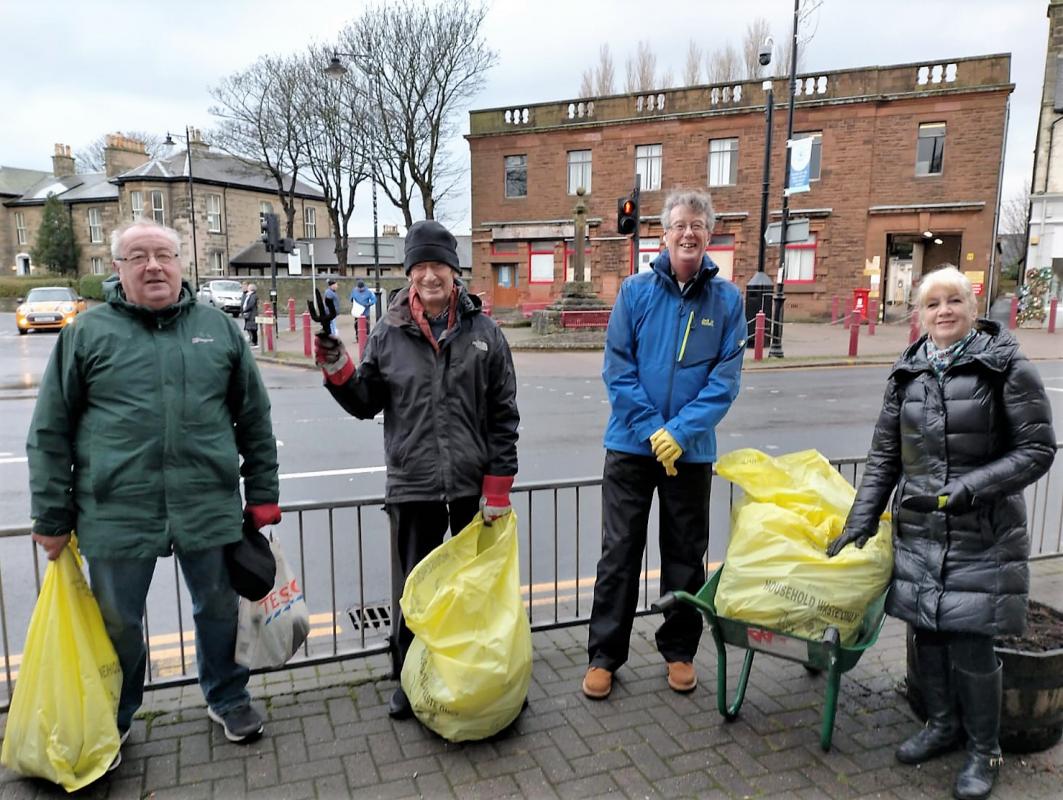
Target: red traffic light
{"type": "Point", "coordinates": [627, 215]}
{"type": "Point", "coordinates": [629, 206]}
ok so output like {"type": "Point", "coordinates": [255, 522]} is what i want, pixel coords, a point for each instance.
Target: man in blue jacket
{"type": "Point", "coordinates": [673, 358]}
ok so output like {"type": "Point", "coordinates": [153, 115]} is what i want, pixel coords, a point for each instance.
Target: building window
{"type": "Point", "coordinates": [648, 165]}
{"type": "Point", "coordinates": [309, 222]}
{"type": "Point", "coordinates": [817, 152]}
{"type": "Point", "coordinates": [264, 208]}
{"type": "Point", "coordinates": [721, 250]}
{"type": "Point", "coordinates": [930, 149]}
{"type": "Point", "coordinates": [507, 276]}
{"type": "Point", "coordinates": [541, 262]}
{"type": "Point", "coordinates": [158, 208]}
{"type": "Point", "coordinates": [216, 263]}
{"type": "Point", "coordinates": [801, 260]}
{"type": "Point", "coordinates": [20, 227]}
{"type": "Point", "coordinates": [505, 248]}
{"type": "Point", "coordinates": [136, 203]}
{"type": "Point", "coordinates": [516, 176]}
{"type": "Point", "coordinates": [649, 249]}
{"type": "Point", "coordinates": [95, 228]}
{"type": "Point", "coordinates": [214, 213]}
{"type": "Point", "coordinates": [97, 265]}
{"type": "Point", "coordinates": [579, 170]}
{"type": "Point", "coordinates": [723, 162]}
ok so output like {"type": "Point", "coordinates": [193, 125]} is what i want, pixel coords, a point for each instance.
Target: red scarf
{"type": "Point", "coordinates": [417, 312]}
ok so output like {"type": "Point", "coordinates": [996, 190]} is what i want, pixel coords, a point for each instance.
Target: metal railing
{"type": "Point", "coordinates": [339, 550]}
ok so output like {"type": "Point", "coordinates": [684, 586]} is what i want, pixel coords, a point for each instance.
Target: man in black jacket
{"type": "Point", "coordinates": [442, 373]}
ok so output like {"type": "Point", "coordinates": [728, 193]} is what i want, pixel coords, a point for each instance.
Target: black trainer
{"type": "Point", "coordinates": [399, 705]}
{"type": "Point", "coordinates": [242, 724]}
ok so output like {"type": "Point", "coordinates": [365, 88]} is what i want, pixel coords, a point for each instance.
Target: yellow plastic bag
{"type": "Point", "coordinates": [467, 672]}
{"type": "Point", "coordinates": [62, 722]}
{"type": "Point", "coordinates": [777, 573]}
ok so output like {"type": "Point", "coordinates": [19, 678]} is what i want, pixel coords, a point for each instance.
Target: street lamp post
{"type": "Point", "coordinates": [335, 70]}
{"type": "Point", "coordinates": [191, 205]}
{"type": "Point", "coordinates": [780, 296]}
{"type": "Point", "coordinates": [759, 286]}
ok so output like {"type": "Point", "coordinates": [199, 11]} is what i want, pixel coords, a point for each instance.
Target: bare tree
{"type": "Point", "coordinates": [604, 76]}
{"type": "Point", "coordinates": [640, 71]}
{"type": "Point", "coordinates": [91, 159]}
{"type": "Point", "coordinates": [692, 69]}
{"type": "Point", "coordinates": [263, 123]}
{"type": "Point", "coordinates": [1015, 220]}
{"type": "Point", "coordinates": [807, 26]}
{"type": "Point", "coordinates": [757, 32]}
{"type": "Point", "coordinates": [425, 63]}
{"type": "Point", "coordinates": [723, 65]}
{"type": "Point", "coordinates": [586, 83]}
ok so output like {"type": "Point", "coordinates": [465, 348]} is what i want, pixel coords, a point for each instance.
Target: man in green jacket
{"type": "Point", "coordinates": [145, 411]}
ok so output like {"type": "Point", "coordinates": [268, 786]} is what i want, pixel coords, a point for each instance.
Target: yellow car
{"type": "Point", "coordinates": [47, 307]}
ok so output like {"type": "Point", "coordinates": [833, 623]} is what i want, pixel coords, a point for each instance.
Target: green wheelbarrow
{"type": "Point", "coordinates": [824, 655]}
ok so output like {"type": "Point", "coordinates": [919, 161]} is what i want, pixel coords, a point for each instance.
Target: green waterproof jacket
{"type": "Point", "coordinates": [141, 421]}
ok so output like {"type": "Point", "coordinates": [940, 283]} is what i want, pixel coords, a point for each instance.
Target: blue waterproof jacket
{"type": "Point", "coordinates": [673, 359]}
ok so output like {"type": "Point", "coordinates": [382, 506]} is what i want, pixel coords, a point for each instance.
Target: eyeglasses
{"type": "Point", "coordinates": [140, 259]}
{"type": "Point", "coordinates": [694, 227]}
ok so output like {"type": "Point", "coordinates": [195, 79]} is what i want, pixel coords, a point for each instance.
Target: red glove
{"type": "Point", "coordinates": [263, 514]}
{"type": "Point", "coordinates": [495, 502]}
{"type": "Point", "coordinates": [331, 356]}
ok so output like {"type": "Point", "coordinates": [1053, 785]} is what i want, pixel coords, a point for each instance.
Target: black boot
{"type": "Point", "coordinates": [399, 705]}
{"type": "Point", "coordinates": [980, 704]}
{"type": "Point", "coordinates": [942, 732]}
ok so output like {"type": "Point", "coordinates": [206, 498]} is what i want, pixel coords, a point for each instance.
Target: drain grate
{"type": "Point", "coordinates": [376, 617]}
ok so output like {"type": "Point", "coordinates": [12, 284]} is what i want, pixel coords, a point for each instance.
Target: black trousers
{"type": "Point", "coordinates": [628, 484]}
{"type": "Point", "coordinates": [971, 652]}
{"type": "Point", "coordinates": [252, 334]}
{"type": "Point", "coordinates": [417, 529]}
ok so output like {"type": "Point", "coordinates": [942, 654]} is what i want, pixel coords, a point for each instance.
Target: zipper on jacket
{"type": "Point", "coordinates": [683, 347]}
{"type": "Point", "coordinates": [671, 375]}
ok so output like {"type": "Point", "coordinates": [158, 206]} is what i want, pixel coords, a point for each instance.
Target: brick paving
{"type": "Point", "coordinates": [329, 736]}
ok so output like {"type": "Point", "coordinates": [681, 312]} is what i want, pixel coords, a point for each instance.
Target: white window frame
{"type": "Point", "coordinates": [649, 160]}
{"type": "Point", "coordinates": [217, 265]}
{"type": "Point", "coordinates": [95, 226]}
{"type": "Point", "coordinates": [20, 228]}
{"type": "Point", "coordinates": [514, 162]}
{"type": "Point", "coordinates": [923, 168]}
{"type": "Point", "coordinates": [158, 206]}
{"type": "Point", "coordinates": [136, 203]}
{"type": "Point", "coordinates": [214, 213]}
{"type": "Point", "coordinates": [579, 170]}
{"type": "Point", "coordinates": [801, 261]}
{"type": "Point", "coordinates": [309, 222]}
{"type": "Point", "coordinates": [541, 266]}
{"type": "Point", "coordinates": [97, 265]}
{"type": "Point", "coordinates": [723, 161]}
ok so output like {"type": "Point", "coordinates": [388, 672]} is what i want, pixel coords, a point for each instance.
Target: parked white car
{"type": "Point", "coordinates": [226, 295]}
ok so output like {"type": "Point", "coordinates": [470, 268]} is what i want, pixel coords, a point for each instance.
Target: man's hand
{"type": "Point", "coordinates": [848, 536]}
{"type": "Point", "coordinates": [263, 514]}
{"type": "Point", "coordinates": [53, 546]}
{"type": "Point", "coordinates": [495, 501]}
{"type": "Point", "coordinates": [667, 450]}
{"type": "Point", "coordinates": [331, 356]}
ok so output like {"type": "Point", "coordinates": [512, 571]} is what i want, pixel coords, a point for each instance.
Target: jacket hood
{"type": "Point", "coordinates": [662, 267]}
{"type": "Point", "coordinates": [399, 307]}
{"type": "Point", "coordinates": [994, 348]}
{"type": "Point", "coordinates": [114, 294]}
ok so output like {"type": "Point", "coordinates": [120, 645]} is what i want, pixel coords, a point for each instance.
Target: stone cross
{"type": "Point", "coordinates": [579, 236]}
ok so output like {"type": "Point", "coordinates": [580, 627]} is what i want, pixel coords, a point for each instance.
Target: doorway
{"type": "Point", "coordinates": [504, 293]}
{"type": "Point", "coordinates": [909, 256]}
{"type": "Point", "coordinates": [22, 264]}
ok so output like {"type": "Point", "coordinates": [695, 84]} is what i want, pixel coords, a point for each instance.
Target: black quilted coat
{"type": "Point", "coordinates": [988, 429]}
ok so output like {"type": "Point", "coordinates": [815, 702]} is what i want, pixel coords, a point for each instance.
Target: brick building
{"type": "Point", "coordinates": [229, 197]}
{"type": "Point", "coordinates": [905, 174]}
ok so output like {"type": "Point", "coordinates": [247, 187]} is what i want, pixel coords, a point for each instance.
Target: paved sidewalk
{"type": "Point", "coordinates": [328, 736]}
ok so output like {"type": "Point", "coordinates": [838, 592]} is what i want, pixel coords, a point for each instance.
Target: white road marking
{"type": "Point", "coordinates": [15, 460]}
{"type": "Point", "coordinates": [280, 443]}
{"type": "Point", "coordinates": [5, 455]}
{"type": "Point", "coordinates": [1053, 389]}
{"type": "Point", "coordinates": [328, 473]}
{"type": "Point", "coordinates": [586, 397]}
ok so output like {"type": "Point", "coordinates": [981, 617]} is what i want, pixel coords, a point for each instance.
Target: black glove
{"type": "Point", "coordinates": [960, 500]}
{"type": "Point", "coordinates": [848, 536]}
{"type": "Point", "coordinates": [331, 356]}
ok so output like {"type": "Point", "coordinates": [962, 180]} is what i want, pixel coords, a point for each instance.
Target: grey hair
{"type": "Point", "coordinates": [696, 200]}
{"type": "Point", "coordinates": [948, 277]}
{"type": "Point", "coordinates": [122, 230]}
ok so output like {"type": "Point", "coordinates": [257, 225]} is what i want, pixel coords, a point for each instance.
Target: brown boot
{"type": "Point", "coordinates": [597, 683]}
{"type": "Point", "coordinates": [681, 676]}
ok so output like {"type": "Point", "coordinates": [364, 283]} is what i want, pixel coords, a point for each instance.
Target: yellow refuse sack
{"type": "Point", "coordinates": [62, 722]}
{"type": "Point", "coordinates": [467, 672]}
{"type": "Point", "coordinates": [777, 573]}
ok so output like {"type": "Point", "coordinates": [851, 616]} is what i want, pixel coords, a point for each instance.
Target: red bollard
{"type": "Point", "coordinates": [1013, 316]}
{"type": "Point", "coordinates": [913, 328]}
{"type": "Point", "coordinates": [267, 309]}
{"type": "Point", "coordinates": [854, 333]}
{"type": "Point", "coordinates": [1052, 306]}
{"type": "Point", "coordinates": [291, 314]}
{"type": "Point", "coordinates": [872, 315]}
{"type": "Point", "coordinates": [307, 350]}
{"type": "Point", "coordinates": [362, 323]}
{"type": "Point", "coordinates": [847, 320]}
{"type": "Point", "coordinates": [835, 305]}
{"type": "Point", "coordinates": [758, 337]}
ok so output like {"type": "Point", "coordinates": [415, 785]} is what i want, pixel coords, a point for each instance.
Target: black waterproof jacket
{"type": "Point", "coordinates": [988, 429]}
{"type": "Point", "coordinates": [449, 417]}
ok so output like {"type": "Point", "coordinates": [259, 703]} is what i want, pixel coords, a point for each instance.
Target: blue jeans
{"type": "Point", "coordinates": [121, 588]}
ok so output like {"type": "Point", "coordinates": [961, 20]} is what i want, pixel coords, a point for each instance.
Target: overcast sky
{"type": "Point", "coordinates": [76, 70]}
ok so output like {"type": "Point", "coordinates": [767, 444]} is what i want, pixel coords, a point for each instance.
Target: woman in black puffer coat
{"type": "Point", "coordinates": [965, 426]}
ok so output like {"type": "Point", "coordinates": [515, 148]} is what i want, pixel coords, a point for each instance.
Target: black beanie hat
{"type": "Point", "coordinates": [427, 240]}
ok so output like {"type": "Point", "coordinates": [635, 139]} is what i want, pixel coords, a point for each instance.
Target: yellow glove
{"type": "Point", "coordinates": [667, 450]}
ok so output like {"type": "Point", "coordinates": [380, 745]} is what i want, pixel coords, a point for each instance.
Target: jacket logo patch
{"type": "Point", "coordinates": [479, 344]}
{"type": "Point", "coordinates": [707, 322]}
{"type": "Point", "coordinates": [201, 340]}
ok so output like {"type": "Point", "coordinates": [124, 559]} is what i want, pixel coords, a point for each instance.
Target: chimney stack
{"type": "Point", "coordinates": [62, 161]}
{"type": "Point", "coordinates": [122, 154]}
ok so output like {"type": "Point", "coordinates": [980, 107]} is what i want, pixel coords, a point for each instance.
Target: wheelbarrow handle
{"type": "Point", "coordinates": [668, 600]}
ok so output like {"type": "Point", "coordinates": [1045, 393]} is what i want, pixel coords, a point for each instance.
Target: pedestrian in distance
{"type": "Point", "coordinates": [362, 299]}
{"type": "Point", "coordinates": [673, 357]}
{"type": "Point", "coordinates": [442, 373]}
{"type": "Point", "coordinates": [331, 294]}
{"type": "Point", "coordinates": [249, 311]}
{"type": "Point", "coordinates": [965, 426]}
{"type": "Point", "coordinates": [138, 449]}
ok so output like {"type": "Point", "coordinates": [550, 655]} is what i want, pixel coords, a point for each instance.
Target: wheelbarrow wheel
{"type": "Point", "coordinates": [832, 639]}
{"type": "Point", "coordinates": [813, 671]}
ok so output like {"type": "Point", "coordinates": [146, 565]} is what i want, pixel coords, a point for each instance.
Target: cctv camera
{"type": "Point", "coordinates": [764, 53]}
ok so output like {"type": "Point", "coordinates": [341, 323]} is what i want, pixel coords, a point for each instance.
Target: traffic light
{"type": "Point", "coordinates": [271, 235]}
{"type": "Point", "coordinates": [627, 215]}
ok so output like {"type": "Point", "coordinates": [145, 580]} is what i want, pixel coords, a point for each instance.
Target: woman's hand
{"type": "Point", "coordinates": [847, 537]}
